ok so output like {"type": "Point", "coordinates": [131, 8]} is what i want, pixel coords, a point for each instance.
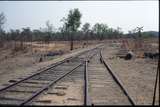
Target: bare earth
{"type": "Point", "coordinates": [137, 75]}
{"type": "Point", "coordinates": [25, 64]}
{"type": "Point", "coordinates": [68, 91]}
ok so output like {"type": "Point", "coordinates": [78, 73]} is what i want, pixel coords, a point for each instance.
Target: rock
{"type": "Point", "coordinates": [129, 55]}
{"type": "Point", "coordinates": [151, 55]}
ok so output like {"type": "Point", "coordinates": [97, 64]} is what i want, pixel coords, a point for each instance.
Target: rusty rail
{"type": "Point", "coordinates": [30, 98]}
{"type": "Point", "coordinates": [87, 101]}
{"type": "Point", "coordinates": [46, 87]}
{"type": "Point", "coordinates": [116, 79]}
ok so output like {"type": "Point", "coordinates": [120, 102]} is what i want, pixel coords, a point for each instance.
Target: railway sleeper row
{"type": "Point", "coordinates": [103, 89]}
{"type": "Point", "coordinates": [17, 94]}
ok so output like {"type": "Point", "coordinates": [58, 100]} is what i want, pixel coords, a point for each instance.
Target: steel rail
{"type": "Point", "coordinates": [56, 64]}
{"type": "Point", "coordinates": [116, 79]}
{"type": "Point", "coordinates": [41, 71]}
{"type": "Point", "coordinates": [155, 85]}
{"type": "Point", "coordinates": [87, 101]}
{"type": "Point", "coordinates": [50, 84]}
{"type": "Point", "coordinates": [46, 87]}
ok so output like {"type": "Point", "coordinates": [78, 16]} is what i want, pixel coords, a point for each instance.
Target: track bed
{"type": "Point", "coordinates": [103, 90]}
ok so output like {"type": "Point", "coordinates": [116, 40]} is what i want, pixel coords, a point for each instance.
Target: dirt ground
{"type": "Point", "coordinates": [138, 74]}
{"type": "Point", "coordinates": [23, 63]}
{"type": "Point", "coordinates": [67, 91]}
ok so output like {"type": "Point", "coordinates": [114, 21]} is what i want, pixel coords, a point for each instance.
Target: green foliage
{"type": "Point", "coordinates": [100, 29]}
{"type": "Point", "coordinates": [69, 31]}
{"type": "Point", "coordinates": [103, 31]}
{"type": "Point", "coordinates": [2, 32]}
{"type": "Point", "coordinates": [148, 35]}
{"type": "Point", "coordinates": [2, 20]}
{"type": "Point", "coordinates": [86, 27]}
{"type": "Point", "coordinates": [72, 23]}
{"type": "Point", "coordinates": [73, 20]}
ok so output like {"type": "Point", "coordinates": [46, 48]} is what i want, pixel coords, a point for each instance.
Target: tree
{"type": "Point", "coordinates": [100, 30]}
{"type": "Point", "coordinates": [49, 26]}
{"type": "Point", "coordinates": [110, 33]}
{"type": "Point", "coordinates": [139, 29]}
{"type": "Point", "coordinates": [37, 35]}
{"type": "Point", "coordinates": [86, 30]}
{"type": "Point", "coordinates": [49, 31]}
{"type": "Point", "coordinates": [26, 35]}
{"type": "Point", "coordinates": [117, 32]}
{"type": "Point", "coordinates": [2, 21]}
{"type": "Point", "coordinates": [86, 27]}
{"type": "Point", "coordinates": [72, 23]}
{"type": "Point", "coordinates": [15, 35]}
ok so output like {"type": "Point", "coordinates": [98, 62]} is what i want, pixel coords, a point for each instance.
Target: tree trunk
{"type": "Point", "coordinates": [87, 39]}
{"type": "Point", "coordinates": [71, 42]}
{"type": "Point", "coordinates": [71, 48]}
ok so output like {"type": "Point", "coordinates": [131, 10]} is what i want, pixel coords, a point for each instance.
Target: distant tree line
{"type": "Point", "coordinates": [136, 34]}
{"type": "Point", "coordinates": [98, 31]}
{"type": "Point", "coordinates": [71, 24]}
{"type": "Point", "coordinates": [68, 32]}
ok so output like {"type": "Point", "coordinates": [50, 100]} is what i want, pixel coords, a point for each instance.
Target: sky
{"type": "Point", "coordinates": [125, 14]}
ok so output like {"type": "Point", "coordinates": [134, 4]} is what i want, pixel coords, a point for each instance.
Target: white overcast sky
{"type": "Point", "coordinates": [124, 14]}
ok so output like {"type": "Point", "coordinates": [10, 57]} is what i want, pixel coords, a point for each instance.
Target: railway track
{"type": "Point", "coordinates": [104, 87]}
{"type": "Point", "coordinates": [67, 91]}
{"type": "Point", "coordinates": [96, 84]}
{"type": "Point", "coordinates": [24, 91]}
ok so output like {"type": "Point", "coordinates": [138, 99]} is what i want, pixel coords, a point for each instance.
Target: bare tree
{"type": "Point", "coordinates": [139, 29]}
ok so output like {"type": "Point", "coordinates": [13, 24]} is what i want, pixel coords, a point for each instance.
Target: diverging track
{"type": "Point", "coordinates": [23, 92]}
{"type": "Point", "coordinates": [81, 80]}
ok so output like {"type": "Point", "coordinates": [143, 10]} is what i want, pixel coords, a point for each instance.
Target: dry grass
{"type": "Point", "coordinates": [33, 52]}
{"type": "Point", "coordinates": [137, 75]}
{"type": "Point", "coordinates": [139, 47]}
